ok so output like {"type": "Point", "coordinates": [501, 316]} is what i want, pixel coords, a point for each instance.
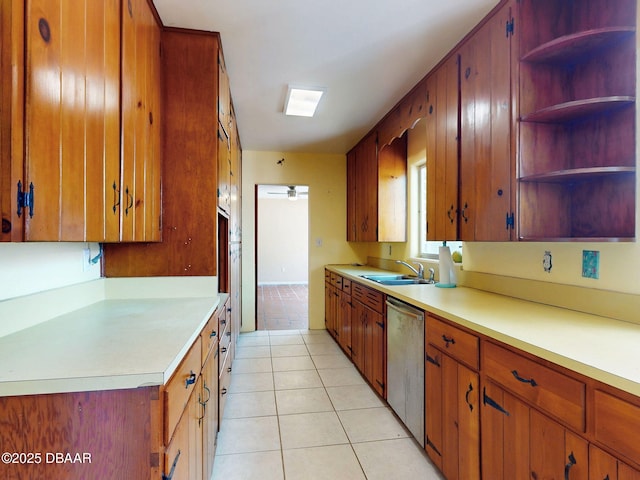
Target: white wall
{"type": "Point", "coordinates": [283, 241]}
{"type": "Point", "coordinates": [33, 267]}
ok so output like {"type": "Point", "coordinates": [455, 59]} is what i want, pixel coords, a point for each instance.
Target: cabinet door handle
{"type": "Point", "coordinates": [449, 212]}
{"type": "Point", "coordinates": [487, 400]}
{"type": "Point", "coordinates": [173, 468]}
{"type": "Point", "coordinates": [463, 211]}
{"type": "Point", "coordinates": [567, 467]}
{"type": "Point", "coordinates": [223, 349]}
{"type": "Point", "coordinates": [191, 379]}
{"type": "Point", "coordinates": [466, 397]}
{"type": "Point", "coordinates": [531, 381]}
{"type": "Point", "coordinates": [448, 341]}
{"type": "Point", "coordinates": [116, 197]}
{"type": "Point", "coordinates": [223, 391]}
{"type": "Point", "coordinates": [430, 359]}
{"type": "Point", "coordinates": [430, 444]}
{"type": "Point", "coordinates": [130, 200]}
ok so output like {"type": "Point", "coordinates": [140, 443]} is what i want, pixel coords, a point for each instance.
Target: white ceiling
{"type": "Point", "coordinates": [366, 53]}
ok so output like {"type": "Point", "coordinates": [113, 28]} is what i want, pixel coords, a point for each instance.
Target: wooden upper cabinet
{"type": "Point", "coordinates": [377, 191]}
{"type": "Point", "coordinates": [404, 116]}
{"type": "Point", "coordinates": [442, 122]}
{"type": "Point", "coordinates": [485, 136]}
{"type": "Point", "coordinates": [189, 144]}
{"type": "Point", "coordinates": [11, 117]}
{"type": "Point", "coordinates": [139, 190]}
{"type": "Point", "coordinates": [362, 188]}
{"type": "Point", "coordinates": [72, 120]}
{"type": "Point", "coordinates": [577, 88]}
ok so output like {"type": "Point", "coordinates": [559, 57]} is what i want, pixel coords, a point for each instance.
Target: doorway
{"type": "Point", "coordinates": [282, 257]}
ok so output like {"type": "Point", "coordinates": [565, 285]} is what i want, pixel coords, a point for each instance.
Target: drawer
{"type": "Point", "coordinates": [209, 336]}
{"type": "Point", "coordinates": [617, 423]}
{"type": "Point", "coordinates": [179, 388]}
{"type": "Point", "coordinates": [453, 341]}
{"type": "Point", "coordinates": [327, 276]}
{"type": "Point", "coordinates": [547, 389]}
{"type": "Point", "coordinates": [368, 296]}
{"type": "Point", "coordinates": [336, 280]}
{"type": "Point", "coordinates": [346, 286]}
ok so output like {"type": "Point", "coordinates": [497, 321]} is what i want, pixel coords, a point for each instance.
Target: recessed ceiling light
{"type": "Point", "coordinates": [302, 101]}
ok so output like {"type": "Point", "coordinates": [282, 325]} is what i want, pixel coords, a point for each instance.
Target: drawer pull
{"type": "Point", "coordinates": [567, 467]}
{"type": "Point", "coordinates": [448, 341]}
{"type": "Point", "coordinates": [212, 334]}
{"type": "Point", "coordinates": [173, 468]}
{"type": "Point", "coordinates": [487, 400]}
{"type": "Point", "coordinates": [523, 380]}
{"type": "Point", "coordinates": [191, 379]}
{"type": "Point", "coordinates": [223, 322]}
{"type": "Point", "coordinates": [223, 349]}
{"type": "Point", "coordinates": [223, 391]}
{"type": "Point", "coordinates": [228, 334]}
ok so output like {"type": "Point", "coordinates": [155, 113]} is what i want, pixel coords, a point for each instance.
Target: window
{"type": "Point", "coordinates": [428, 249]}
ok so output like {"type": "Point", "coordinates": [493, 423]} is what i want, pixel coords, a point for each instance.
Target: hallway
{"type": "Point", "coordinates": [298, 409]}
{"type": "Point", "coordinates": [283, 307]}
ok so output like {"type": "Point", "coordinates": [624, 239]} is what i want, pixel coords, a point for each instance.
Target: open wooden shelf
{"type": "Point", "coordinates": [578, 109]}
{"type": "Point", "coordinates": [578, 174]}
{"type": "Point", "coordinates": [571, 48]}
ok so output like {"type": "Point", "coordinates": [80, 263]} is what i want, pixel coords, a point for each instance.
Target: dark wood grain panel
{"type": "Point", "coordinates": [116, 429]}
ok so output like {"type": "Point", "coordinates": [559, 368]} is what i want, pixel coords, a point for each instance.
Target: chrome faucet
{"type": "Point", "coordinates": [419, 272]}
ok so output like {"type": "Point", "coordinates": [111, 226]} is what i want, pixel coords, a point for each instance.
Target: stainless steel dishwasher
{"type": "Point", "coordinates": [405, 365]}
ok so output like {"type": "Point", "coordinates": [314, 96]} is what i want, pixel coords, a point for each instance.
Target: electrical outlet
{"type": "Point", "coordinates": [547, 261]}
{"type": "Point", "coordinates": [591, 264]}
{"type": "Point", "coordinates": [86, 259]}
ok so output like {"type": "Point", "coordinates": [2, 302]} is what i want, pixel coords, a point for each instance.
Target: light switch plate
{"type": "Point", "coordinates": [591, 263]}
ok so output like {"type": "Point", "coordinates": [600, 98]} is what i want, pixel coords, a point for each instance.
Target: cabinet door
{"type": "Point", "coordinates": [391, 211]}
{"type": "Point", "coordinates": [366, 190]}
{"type": "Point", "coordinates": [210, 412]}
{"type": "Point", "coordinates": [505, 435]}
{"type": "Point", "coordinates": [375, 346]}
{"type": "Point", "coordinates": [485, 149]}
{"type": "Point", "coordinates": [357, 336]}
{"type": "Point", "coordinates": [11, 117]}
{"type": "Point", "coordinates": [140, 172]}
{"type": "Point", "coordinates": [72, 119]}
{"type": "Point", "coordinates": [452, 416]}
{"type": "Point", "coordinates": [556, 452]}
{"type": "Point", "coordinates": [344, 322]}
{"type": "Point", "coordinates": [224, 169]}
{"type": "Point", "coordinates": [443, 102]}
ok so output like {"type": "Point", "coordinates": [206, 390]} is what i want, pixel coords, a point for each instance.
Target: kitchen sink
{"type": "Point", "coordinates": [397, 279]}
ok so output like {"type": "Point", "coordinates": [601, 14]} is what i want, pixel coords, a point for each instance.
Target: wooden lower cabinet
{"type": "Point", "coordinates": [164, 431]}
{"type": "Point", "coordinates": [452, 413]}
{"type": "Point", "coordinates": [355, 318]}
{"type": "Point", "coordinates": [452, 416]}
{"type": "Point", "coordinates": [368, 345]}
{"type": "Point", "coordinates": [116, 433]}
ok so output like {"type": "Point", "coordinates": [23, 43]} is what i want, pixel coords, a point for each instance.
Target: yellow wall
{"type": "Point", "coordinates": [326, 177]}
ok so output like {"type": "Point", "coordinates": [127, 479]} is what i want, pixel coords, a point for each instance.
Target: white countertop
{"type": "Point", "coordinates": [605, 349]}
{"type": "Point", "coordinates": [111, 344]}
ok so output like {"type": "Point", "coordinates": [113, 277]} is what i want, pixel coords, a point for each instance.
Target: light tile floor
{"type": "Point", "coordinates": [299, 410]}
